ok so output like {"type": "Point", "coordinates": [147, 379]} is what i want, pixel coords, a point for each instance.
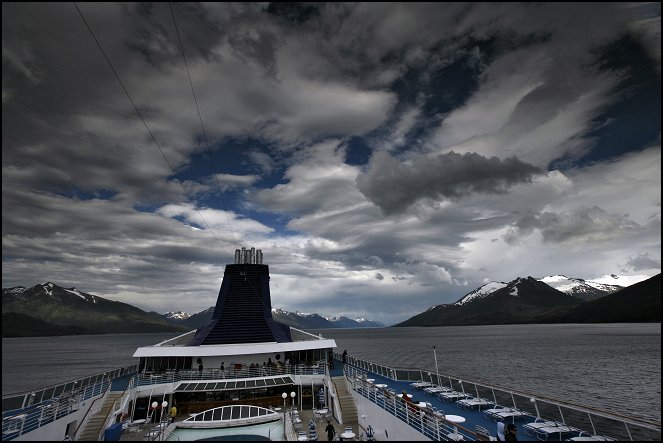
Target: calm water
{"type": "Point", "coordinates": [611, 366]}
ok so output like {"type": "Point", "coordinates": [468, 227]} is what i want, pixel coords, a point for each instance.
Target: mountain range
{"type": "Point", "coordinates": [56, 308]}
{"type": "Point", "coordinates": [48, 309]}
{"type": "Point", "coordinates": [300, 320]}
{"type": "Point", "coordinates": [530, 300]}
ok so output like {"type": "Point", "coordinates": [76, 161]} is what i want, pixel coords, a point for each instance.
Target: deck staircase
{"type": "Point", "coordinates": [347, 402]}
{"type": "Point", "coordinates": [93, 426]}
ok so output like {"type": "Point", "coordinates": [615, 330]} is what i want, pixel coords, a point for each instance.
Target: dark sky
{"type": "Point", "coordinates": [385, 157]}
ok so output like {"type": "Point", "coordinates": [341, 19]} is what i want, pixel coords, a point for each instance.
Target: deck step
{"type": "Point", "coordinates": [95, 423]}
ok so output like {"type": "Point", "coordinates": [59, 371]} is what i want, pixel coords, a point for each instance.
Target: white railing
{"type": "Point", "coordinates": [90, 412]}
{"type": "Point", "coordinates": [152, 378]}
{"type": "Point", "coordinates": [609, 423]}
{"type": "Point", "coordinates": [46, 412]}
{"type": "Point", "coordinates": [115, 409]}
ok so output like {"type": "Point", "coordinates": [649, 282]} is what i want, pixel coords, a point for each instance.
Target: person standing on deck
{"type": "Point", "coordinates": [511, 433]}
{"type": "Point", "coordinates": [500, 431]}
{"type": "Point", "coordinates": [173, 413]}
{"type": "Point", "coordinates": [345, 357]}
{"type": "Point", "coordinates": [331, 432]}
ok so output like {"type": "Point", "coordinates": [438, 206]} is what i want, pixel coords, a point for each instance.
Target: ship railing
{"type": "Point", "coordinates": [28, 411]}
{"type": "Point", "coordinates": [424, 420]}
{"type": "Point", "coordinates": [23, 400]}
{"type": "Point", "coordinates": [99, 401]}
{"type": "Point", "coordinates": [116, 408]}
{"type": "Point", "coordinates": [152, 378]}
{"type": "Point", "coordinates": [599, 421]}
{"type": "Point", "coordinates": [38, 415]}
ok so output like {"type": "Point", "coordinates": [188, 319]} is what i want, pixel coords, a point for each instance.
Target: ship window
{"type": "Point", "coordinates": [208, 416]}
{"type": "Point", "coordinates": [250, 383]}
{"type": "Point", "coordinates": [230, 385]}
{"type": "Point", "coordinates": [226, 413]}
{"type": "Point", "coordinates": [234, 413]}
{"type": "Point", "coordinates": [209, 386]}
{"type": "Point", "coordinates": [220, 385]}
{"type": "Point", "coordinates": [270, 381]}
{"type": "Point", "coordinates": [241, 384]}
{"type": "Point", "coordinates": [260, 383]}
{"type": "Point", "coordinates": [245, 413]}
{"type": "Point", "coordinates": [217, 414]}
{"type": "Point", "coordinates": [262, 411]}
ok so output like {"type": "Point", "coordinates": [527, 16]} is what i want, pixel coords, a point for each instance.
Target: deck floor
{"type": "Point", "coordinates": [473, 416]}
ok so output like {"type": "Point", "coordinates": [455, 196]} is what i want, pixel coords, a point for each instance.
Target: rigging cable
{"type": "Point", "coordinates": [147, 127]}
{"type": "Point", "coordinates": [209, 152]}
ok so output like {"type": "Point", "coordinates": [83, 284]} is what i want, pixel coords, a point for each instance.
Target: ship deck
{"type": "Point", "coordinates": [473, 417]}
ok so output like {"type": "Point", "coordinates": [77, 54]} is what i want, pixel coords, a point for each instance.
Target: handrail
{"type": "Point", "coordinates": [146, 379]}
{"type": "Point", "coordinates": [39, 414]}
{"type": "Point", "coordinates": [337, 402]}
{"type": "Point", "coordinates": [526, 399]}
{"type": "Point", "coordinates": [21, 400]}
{"type": "Point", "coordinates": [86, 418]}
{"type": "Point", "coordinates": [643, 422]}
{"type": "Point", "coordinates": [112, 411]}
{"type": "Point", "coordinates": [432, 426]}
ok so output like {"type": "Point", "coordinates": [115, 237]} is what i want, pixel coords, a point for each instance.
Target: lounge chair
{"type": "Point", "coordinates": [499, 413]}
{"type": "Point", "coordinates": [513, 414]}
{"type": "Point", "coordinates": [530, 428]}
{"type": "Point", "coordinates": [433, 390]}
{"type": "Point", "coordinates": [558, 431]}
{"type": "Point", "coordinates": [451, 396]}
{"type": "Point", "coordinates": [472, 402]}
{"type": "Point", "coordinates": [586, 436]}
{"type": "Point", "coordinates": [421, 385]}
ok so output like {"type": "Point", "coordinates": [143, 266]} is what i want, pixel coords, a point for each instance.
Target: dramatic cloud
{"type": "Point", "coordinates": [394, 186]}
{"type": "Point", "coordinates": [587, 223]}
{"type": "Point", "coordinates": [374, 152]}
{"type": "Point", "coordinates": [641, 262]}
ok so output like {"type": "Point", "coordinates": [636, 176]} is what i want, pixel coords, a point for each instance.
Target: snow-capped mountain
{"type": "Point", "coordinates": [176, 315]}
{"type": "Point", "coordinates": [345, 322]}
{"type": "Point", "coordinates": [481, 292]}
{"type": "Point", "coordinates": [584, 289]}
{"type": "Point", "coordinates": [523, 300]}
{"type": "Point", "coordinates": [68, 310]}
{"type": "Point", "coordinates": [621, 280]}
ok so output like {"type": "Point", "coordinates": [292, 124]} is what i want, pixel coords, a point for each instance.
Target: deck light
{"type": "Point", "coordinates": [533, 400]}
{"type": "Point", "coordinates": [292, 395]}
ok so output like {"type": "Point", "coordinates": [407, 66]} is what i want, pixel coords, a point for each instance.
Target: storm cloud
{"type": "Point", "coordinates": [394, 185]}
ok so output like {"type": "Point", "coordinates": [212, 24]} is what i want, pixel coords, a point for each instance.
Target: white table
{"type": "Point", "coordinates": [455, 419]}
{"type": "Point", "coordinates": [381, 386]}
{"type": "Point", "coordinates": [347, 435]}
{"type": "Point", "coordinates": [370, 380]}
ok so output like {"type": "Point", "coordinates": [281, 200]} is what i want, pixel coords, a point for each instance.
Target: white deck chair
{"type": "Point", "coordinates": [530, 428]}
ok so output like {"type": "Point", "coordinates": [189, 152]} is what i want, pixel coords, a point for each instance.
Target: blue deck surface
{"type": "Point", "coordinates": [473, 416]}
